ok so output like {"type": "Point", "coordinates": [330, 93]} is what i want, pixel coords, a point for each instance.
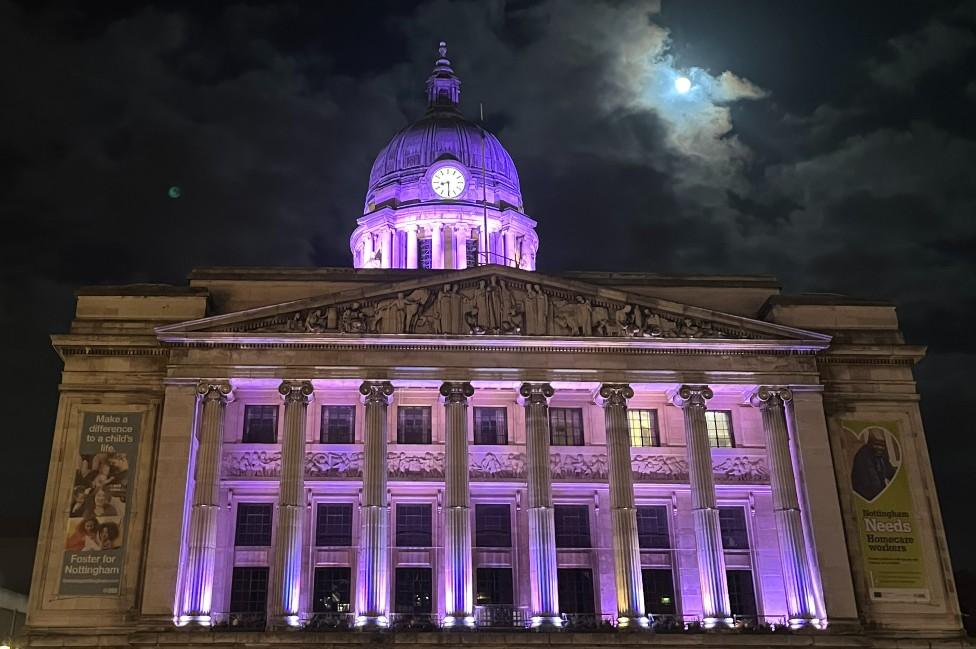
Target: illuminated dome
{"type": "Point", "coordinates": [435, 202]}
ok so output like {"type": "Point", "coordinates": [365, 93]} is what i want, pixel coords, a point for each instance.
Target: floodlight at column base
{"type": "Point", "coordinates": [547, 621]}
{"type": "Point", "coordinates": [183, 620]}
{"type": "Point", "coordinates": [372, 622]}
{"type": "Point", "coordinates": [454, 622]}
{"type": "Point", "coordinates": [642, 622]}
{"type": "Point", "coordinates": [717, 622]}
{"type": "Point", "coordinates": [796, 623]}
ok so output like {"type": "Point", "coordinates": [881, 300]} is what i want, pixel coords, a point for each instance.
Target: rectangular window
{"type": "Point", "coordinates": [732, 522]}
{"type": "Point", "coordinates": [652, 527]}
{"type": "Point", "coordinates": [490, 426]}
{"type": "Point", "coordinates": [254, 523]}
{"type": "Point", "coordinates": [566, 426]}
{"type": "Point", "coordinates": [425, 257]}
{"type": "Point", "coordinates": [471, 253]}
{"type": "Point", "coordinates": [576, 591]}
{"type": "Point", "coordinates": [572, 526]}
{"type": "Point", "coordinates": [332, 590]}
{"type": "Point", "coordinates": [414, 592]}
{"type": "Point", "coordinates": [338, 425]}
{"type": "Point", "coordinates": [413, 425]}
{"type": "Point", "coordinates": [494, 587]}
{"type": "Point", "coordinates": [249, 590]}
{"type": "Point", "coordinates": [333, 525]}
{"type": "Point", "coordinates": [719, 428]}
{"type": "Point", "coordinates": [742, 594]}
{"type": "Point", "coordinates": [260, 425]}
{"type": "Point", "coordinates": [658, 591]}
{"type": "Point", "coordinates": [413, 526]}
{"type": "Point", "coordinates": [643, 428]}
{"type": "Point", "coordinates": [492, 526]}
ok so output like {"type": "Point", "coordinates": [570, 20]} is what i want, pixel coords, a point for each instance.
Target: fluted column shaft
{"type": "Point", "coordinates": [623, 515]}
{"type": "Point", "coordinates": [202, 533]}
{"type": "Point", "coordinates": [800, 597]}
{"type": "Point", "coordinates": [412, 246]}
{"type": "Point", "coordinates": [459, 587]}
{"type": "Point", "coordinates": [542, 529]}
{"type": "Point", "coordinates": [708, 537]}
{"type": "Point", "coordinates": [286, 576]}
{"type": "Point", "coordinates": [374, 553]}
{"type": "Point", "coordinates": [437, 245]}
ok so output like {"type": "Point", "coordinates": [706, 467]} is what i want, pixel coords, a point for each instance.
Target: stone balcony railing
{"type": "Point", "coordinates": [494, 463]}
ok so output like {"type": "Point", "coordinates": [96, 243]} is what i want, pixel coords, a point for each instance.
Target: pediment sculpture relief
{"type": "Point", "coordinates": [494, 306]}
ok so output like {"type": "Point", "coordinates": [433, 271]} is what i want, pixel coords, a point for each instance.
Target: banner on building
{"type": "Point", "coordinates": [882, 501]}
{"type": "Point", "coordinates": [94, 549]}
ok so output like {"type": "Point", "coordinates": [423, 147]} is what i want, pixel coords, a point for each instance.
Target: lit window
{"type": "Point", "coordinates": [490, 426]}
{"type": "Point", "coordinates": [471, 252]}
{"type": "Point", "coordinates": [333, 524]}
{"type": "Point", "coordinates": [732, 523]}
{"type": "Point", "coordinates": [413, 425]}
{"type": "Point", "coordinates": [493, 526]}
{"type": "Point", "coordinates": [331, 592]}
{"type": "Point", "coordinates": [337, 424]}
{"type": "Point", "coordinates": [494, 587]}
{"type": "Point", "coordinates": [414, 591]}
{"type": "Point", "coordinates": [425, 256]}
{"type": "Point", "coordinates": [253, 524]}
{"type": "Point", "coordinates": [413, 526]}
{"type": "Point", "coordinates": [566, 426]}
{"type": "Point", "coordinates": [719, 428]}
{"type": "Point", "coordinates": [652, 527]}
{"type": "Point", "coordinates": [658, 591]}
{"type": "Point", "coordinates": [260, 425]}
{"type": "Point", "coordinates": [572, 526]}
{"type": "Point", "coordinates": [643, 428]}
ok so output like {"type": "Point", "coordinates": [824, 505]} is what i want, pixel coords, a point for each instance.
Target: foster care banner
{"type": "Point", "coordinates": [887, 527]}
{"type": "Point", "coordinates": [94, 548]}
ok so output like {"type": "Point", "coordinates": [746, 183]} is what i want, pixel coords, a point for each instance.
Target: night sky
{"type": "Point", "coordinates": [831, 144]}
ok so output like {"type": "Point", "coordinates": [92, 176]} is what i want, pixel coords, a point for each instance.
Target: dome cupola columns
{"type": "Point", "coordinates": [444, 193]}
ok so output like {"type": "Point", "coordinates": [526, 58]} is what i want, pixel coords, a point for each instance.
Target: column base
{"type": "Point", "coordinates": [198, 620]}
{"type": "Point", "coordinates": [372, 622]}
{"type": "Point", "coordinates": [633, 623]}
{"type": "Point", "coordinates": [718, 622]}
{"type": "Point", "coordinates": [547, 622]}
{"type": "Point", "coordinates": [286, 622]}
{"type": "Point", "coordinates": [799, 623]}
{"type": "Point", "coordinates": [458, 622]}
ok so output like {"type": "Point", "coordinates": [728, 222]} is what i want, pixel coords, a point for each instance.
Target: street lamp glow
{"type": "Point", "coordinates": [682, 84]}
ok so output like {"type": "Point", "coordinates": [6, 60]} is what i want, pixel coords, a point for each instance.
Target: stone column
{"type": "Point", "coordinates": [374, 513]}
{"type": "Point", "coordinates": [460, 247]}
{"type": "Point", "coordinates": [800, 596]}
{"type": "Point", "coordinates": [459, 585]}
{"type": "Point", "coordinates": [708, 538]}
{"type": "Point", "coordinates": [412, 246]}
{"type": "Point", "coordinates": [437, 245]}
{"type": "Point", "coordinates": [542, 529]}
{"type": "Point", "coordinates": [368, 251]}
{"type": "Point", "coordinates": [623, 515]}
{"type": "Point", "coordinates": [510, 252]}
{"type": "Point", "coordinates": [202, 534]}
{"type": "Point", "coordinates": [482, 247]}
{"type": "Point", "coordinates": [286, 577]}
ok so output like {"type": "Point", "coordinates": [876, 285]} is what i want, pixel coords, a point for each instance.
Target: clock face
{"type": "Point", "coordinates": [447, 182]}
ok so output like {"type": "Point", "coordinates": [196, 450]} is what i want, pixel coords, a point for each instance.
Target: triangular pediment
{"type": "Point", "coordinates": [492, 301]}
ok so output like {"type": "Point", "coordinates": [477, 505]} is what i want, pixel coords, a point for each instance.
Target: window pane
{"type": "Point", "coordinates": [260, 425]}
{"type": "Point", "coordinates": [575, 590]}
{"type": "Point", "coordinates": [742, 596]}
{"type": "Point", "coordinates": [425, 256]}
{"type": "Point", "coordinates": [643, 428]}
{"type": "Point", "coordinates": [471, 253]}
{"type": "Point", "coordinates": [658, 591]}
{"type": "Point", "coordinates": [652, 527]}
{"type": "Point", "coordinates": [719, 428]}
{"type": "Point", "coordinates": [735, 534]}
{"type": "Point", "coordinates": [413, 591]}
{"type": "Point", "coordinates": [572, 526]}
{"type": "Point", "coordinates": [490, 426]}
{"type": "Point", "coordinates": [253, 524]}
{"type": "Point", "coordinates": [249, 590]}
{"type": "Point", "coordinates": [333, 526]}
{"type": "Point", "coordinates": [413, 526]}
{"type": "Point", "coordinates": [332, 590]}
{"type": "Point", "coordinates": [566, 426]}
{"type": "Point", "coordinates": [493, 526]}
{"type": "Point", "coordinates": [413, 425]}
{"type": "Point", "coordinates": [338, 424]}
{"type": "Point", "coordinates": [494, 587]}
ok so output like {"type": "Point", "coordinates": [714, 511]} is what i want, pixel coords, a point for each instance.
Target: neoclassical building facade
{"type": "Point", "coordinates": [441, 438]}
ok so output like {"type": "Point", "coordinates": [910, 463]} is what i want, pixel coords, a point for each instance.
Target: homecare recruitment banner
{"type": "Point", "coordinates": [94, 549]}
{"type": "Point", "coordinates": [887, 526]}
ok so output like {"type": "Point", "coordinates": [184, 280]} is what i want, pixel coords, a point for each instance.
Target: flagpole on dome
{"type": "Point", "coordinates": [484, 186]}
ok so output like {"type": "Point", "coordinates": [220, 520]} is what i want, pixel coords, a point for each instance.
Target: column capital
{"type": "Point", "coordinates": [295, 391]}
{"type": "Point", "coordinates": [767, 396]}
{"type": "Point", "coordinates": [456, 391]}
{"type": "Point", "coordinates": [536, 393]}
{"type": "Point", "coordinates": [615, 394]}
{"type": "Point", "coordinates": [211, 390]}
{"type": "Point", "coordinates": [691, 396]}
{"type": "Point", "coordinates": [376, 392]}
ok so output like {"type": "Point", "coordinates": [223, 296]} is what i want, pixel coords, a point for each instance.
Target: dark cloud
{"type": "Point", "coordinates": [788, 157]}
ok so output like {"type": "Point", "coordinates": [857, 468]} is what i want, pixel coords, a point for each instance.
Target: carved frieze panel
{"type": "Point", "coordinates": [577, 466]}
{"type": "Point", "coordinates": [251, 464]}
{"type": "Point", "coordinates": [334, 464]}
{"type": "Point", "coordinates": [493, 305]}
{"type": "Point", "coordinates": [659, 468]}
{"type": "Point", "coordinates": [741, 468]}
{"type": "Point", "coordinates": [496, 466]}
{"type": "Point", "coordinates": [415, 465]}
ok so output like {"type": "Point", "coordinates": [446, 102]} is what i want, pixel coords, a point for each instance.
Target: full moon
{"type": "Point", "coordinates": [682, 84]}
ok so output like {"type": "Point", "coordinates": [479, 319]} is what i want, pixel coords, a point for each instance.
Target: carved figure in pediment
{"type": "Point", "coordinates": [626, 321]}
{"type": "Point", "coordinates": [315, 321]}
{"type": "Point", "coordinates": [601, 322]}
{"type": "Point", "coordinates": [353, 319]}
{"type": "Point", "coordinates": [296, 323]}
{"type": "Point", "coordinates": [414, 303]}
{"type": "Point", "coordinates": [497, 300]}
{"type": "Point", "coordinates": [450, 305]}
{"type": "Point", "coordinates": [516, 319]}
{"type": "Point", "coordinates": [584, 316]}
{"type": "Point", "coordinates": [471, 320]}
